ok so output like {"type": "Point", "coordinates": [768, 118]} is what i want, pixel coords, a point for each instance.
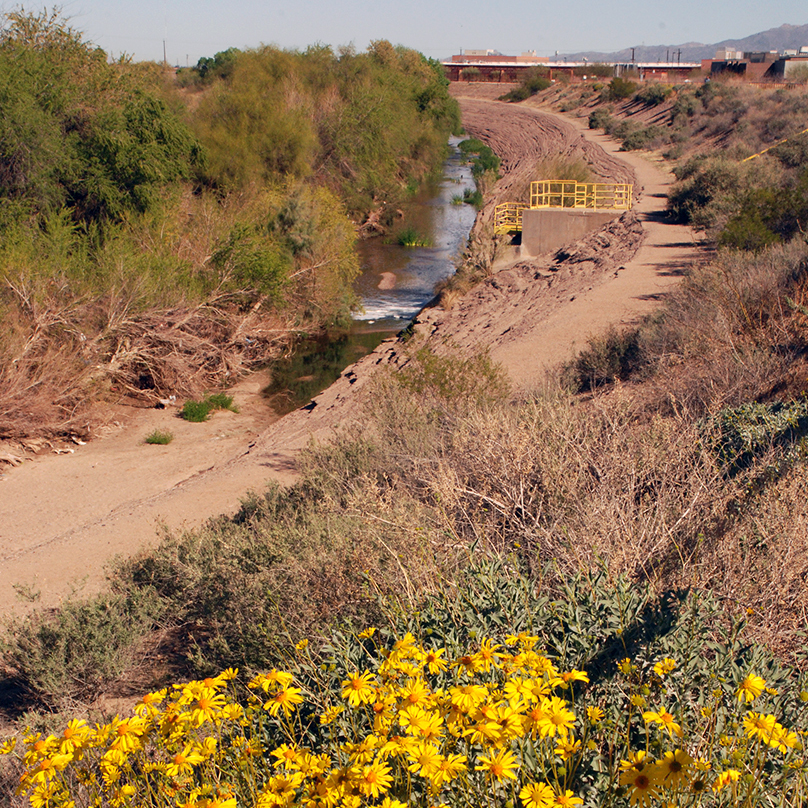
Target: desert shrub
{"type": "Point", "coordinates": [609, 358]}
{"type": "Point", "coordinates": [474, 197]}
{"type": "Point", "coordinates": [78, 649]}
{"type": "Point", "coordinates": [533, 81]}
{"type": "Point", "coordinates": [599, 119]}
{"type": "Point", "coordinates": [654, 94]}
{"type": "Point", "coordinates": [619, 89]}
{"type": "Point", "coordinates": [665, 690]}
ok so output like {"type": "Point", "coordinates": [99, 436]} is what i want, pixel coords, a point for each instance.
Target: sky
{"type": "Point", "coordinates": [437, 28]}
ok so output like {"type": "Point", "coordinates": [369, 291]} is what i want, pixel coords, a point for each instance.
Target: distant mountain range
{"type": "Point", "coordinates": [786, 37]}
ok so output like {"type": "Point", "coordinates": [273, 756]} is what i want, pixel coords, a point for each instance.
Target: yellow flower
{"type": "Point", "coordinates": [664, 718]}
{"type": "Point", "coordinates": [594, 714]}
{"type": "Point", "coordinates": [466, 698]}
{"type": "Point", "coordinates": [184, 762]}
{"type": "Point", "coordinates": [486, 656]}
{"type": "Point", "coordinates": [673, 767]}
{"type": "Point", "coordinates": [209, 705]}
{"type": "Point", "coordinates": [286, 700]}
{"type": "Point", "coordinates": [424, 759]}
{"type": "Point", "coordinates": [8, 746]}
{"type": "Point", "coordinates": [375, 779]}
{"type": "Point", "coordinates": [499, 765]}
{"type": "Point", "coordinates": [726, 778]}
{"type": "Point", "coordinates": [757, 725]}
{"type": "Point", "coordinates": [570, 676]}
{"type": "Point", "coordinates": [566, 748]}
{"type": "Point", "coordinates": [447, 769]}
{"type": "Point", "coordinates": [367, 633]}
{"type": "Point", "coordinates": [302, 645]}
{"type": "Point", "coordinates": [750, 688]}
{"type": "Point", "coordinates": [330, 714]}
{"type": "Point", "coordinates": [783, 739]}
{"type": "Point", "coordinates": [537, 795]}
{"type": "Point", "coordinates": [664, 666]}
{"type": "Point", "coordinates": [644, 784]}
{"type": "Point", "coordinates": [625, 667]}
{"type": "Point", "coordinates": [637, 761]}
{"type": "Point", "coordinates": [567, 799]}
{"type": "Point", "coordinates": [358, 689]}
{"type": "Point", "coordinates": [422, 723]}
{"type": "Point", "coordinates": [272, 679]}
{"type": "Point", "coordinates": [434, 662]}
{"type": "Point", "coordinates": [557, 718]}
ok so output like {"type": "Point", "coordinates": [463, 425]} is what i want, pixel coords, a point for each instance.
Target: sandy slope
{"type": "Point", "coordinates": [63, 517]}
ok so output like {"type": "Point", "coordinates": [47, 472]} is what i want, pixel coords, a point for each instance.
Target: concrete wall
{"type": "Point", "coordinates": [547, 230]}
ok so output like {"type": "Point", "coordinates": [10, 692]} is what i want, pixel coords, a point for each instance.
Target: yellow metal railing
{"type": "Point", "coordinates": [508, 217]}
{"type": "Point", "coordinates": [572, 194]}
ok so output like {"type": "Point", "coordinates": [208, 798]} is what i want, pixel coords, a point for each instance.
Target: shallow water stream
{"type": "Point", "coordinates": [395, 284]}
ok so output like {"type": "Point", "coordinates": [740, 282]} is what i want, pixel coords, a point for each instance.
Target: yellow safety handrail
{"type": "Point", "coordinates": [508, 217]}
{"type": "Point", "coordinates": [572, 194]}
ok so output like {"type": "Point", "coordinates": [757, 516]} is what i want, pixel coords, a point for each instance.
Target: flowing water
{"type": "Point", "coordinates": [395, 284]}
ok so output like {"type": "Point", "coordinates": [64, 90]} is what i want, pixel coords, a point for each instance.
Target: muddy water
{"type": "Point", "coordinates": [395, 284]}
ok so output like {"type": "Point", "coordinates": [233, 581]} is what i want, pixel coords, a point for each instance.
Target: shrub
{"type": "Point", "coordinates": [534, 81]}
{"type": "Point", "coordinates": [614, 356]}
{"type": "Point", "coordinates": [199, 411]}
{"type": "Point", "coordinates": [600, 119]}
{"type": "Point", "coordinates": [159, 437]}
{"type": "Point", "coordinates": [654, 94]}
{"type": "Point", "coordinates": [620, 89]}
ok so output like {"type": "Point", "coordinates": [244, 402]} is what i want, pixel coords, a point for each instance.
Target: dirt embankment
{"type": "Point", "coordinates": [63, 518]}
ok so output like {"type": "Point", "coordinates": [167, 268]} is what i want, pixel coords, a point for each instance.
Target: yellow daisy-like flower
{"type": "Point", "coordinates": [726, 778]}
{"type": "Point", "coordinates": [375, 779]}
{"type": "Point", "coordinates": [499, 765]}
{"type": "Point", "coordinates": [643, 782]}
{"type": "Point", "coordinates": [447, 769]}
{"type": "Point", "coordinates": [286, 700]}
{"type": "Point", "coordinates": [750, 688]}
{"type": "Point", "coordinates": [359, 689]}
{"type": "Point", "coordinates": [673, 768]}
{"type": "Point", "coordinates": [568, 747]}
{"type": "Point", "coordinates": [558, 720]}
{"type": "Point", "coordinates": [423, 759]}
{"type": "Point", "coordinates": [783, 739]}
{"type": "Point", "coordinates": [664, 666]}
{"type": "Point", "coordinates": [184, 762]}
{"type": "Point", "coordinates": [664, 719]}
{"type": "Point", "coordinates": [537, 795]}
{"type": "Point", "coordinates": [567, 799]}
{"type": "Point", "coordinates": [757, 725]}
{"type": "Point", "coordinates": [594, 714]}
{"type": "Point", "coordinates": [329, 715]}
{"type": "Point", "coordinates": [367, 633]}
{"type": "Point", "coordinates": [434, 661]}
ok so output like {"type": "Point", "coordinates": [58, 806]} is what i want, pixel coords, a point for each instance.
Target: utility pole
{"type": "Point", "coordinates": [632, 56]}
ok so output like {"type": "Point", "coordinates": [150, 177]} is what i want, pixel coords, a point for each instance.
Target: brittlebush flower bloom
{"type": "Point", "coordinates": [664, 666]}
{"type": "Point", "coordinates": [750, 688]}
{"type": "Point", "coordinates": [537, 795]}
{"type": "Point", "coordinates": [594, 714]}
{"type": "Point", "coordinates": [726, 778]}
{"type": "Point", "coordinates": [673, 767]}
{"type": "Point", "coordinates": [664, 718]}
{"type": "Point", "coordinates": [757, 725]}
{"type": "Point", "coordinates": [558, 720]}
{"type": "Point", "coordinates": [358, 689]}
{"type": "Point", "coordinates": [184, 762]}
{"type": "Point", "coordinates": [644, 783]}
{"type": "Point", "coordinates": [375, 779]}
{"type": "Point", "coordinates": [567, 799]}
{"type": "Point", "coordinates": [286, 700]}
{"type": "Point", "coordinates": [500, 765]}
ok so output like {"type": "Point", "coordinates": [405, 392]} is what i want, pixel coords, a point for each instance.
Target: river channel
{"type": "Point", "coordinates": [395, 284]}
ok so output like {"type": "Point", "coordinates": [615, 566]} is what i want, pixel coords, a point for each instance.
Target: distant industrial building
{"type": "Point", "coordinates": [491, 65]}
{"type": "Point", "coordinates": [756, 65]}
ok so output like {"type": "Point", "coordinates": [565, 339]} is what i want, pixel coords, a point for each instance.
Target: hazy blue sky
{"type": "Point", "coordinates": [436, 27]}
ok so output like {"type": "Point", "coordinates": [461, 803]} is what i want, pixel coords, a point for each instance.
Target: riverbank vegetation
{"type": "Point", "coordinates": [162, 234]}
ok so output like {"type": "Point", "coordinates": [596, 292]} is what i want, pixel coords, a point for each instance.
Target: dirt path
{"type": "Point", "coordinates": [63, 518]}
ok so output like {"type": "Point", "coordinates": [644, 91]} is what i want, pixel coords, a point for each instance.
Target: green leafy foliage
{"type": "Point", "coordinates": [533, 81]}
{"type": "Point", "coordinates": [199, 411]}
{"type": "Point", "coordinates": [620, 89]}
{"type": "Point", "coordinates": [159, 437]}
